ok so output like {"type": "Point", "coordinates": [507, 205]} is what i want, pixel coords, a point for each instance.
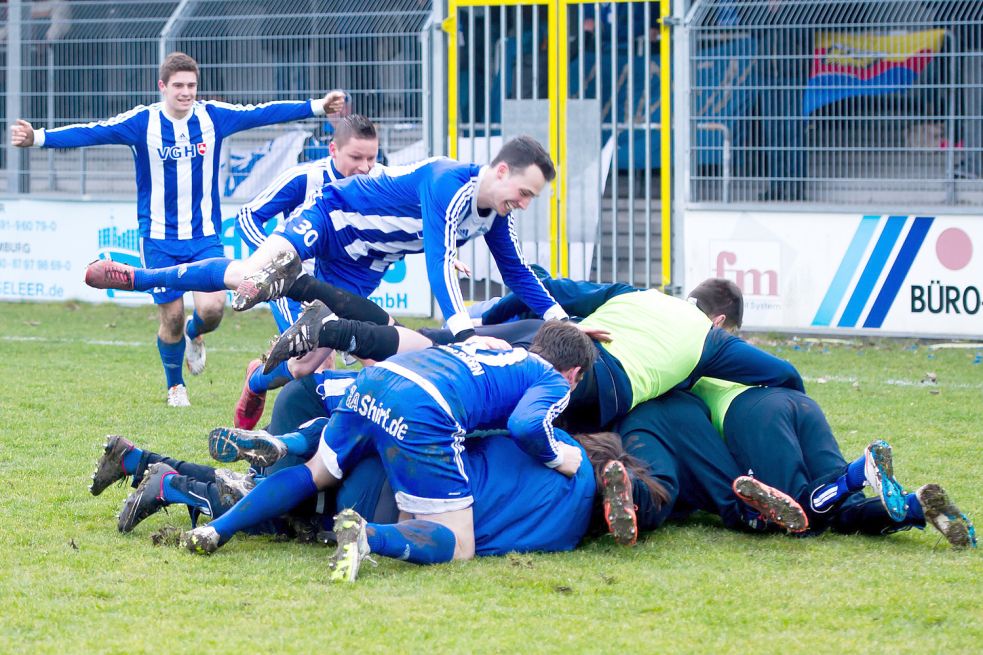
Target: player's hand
{"type": "Point", "coordinates": [487, 343]}
{"type": "Point", "coordinates": [597, 334]}
{"type": "Point", "coordinates": [462, 268]}
{"type": "Point", "coordinates": [21, 134]}
{"type": "Point", "coordinates": [334, 101]}
{"type": "Point", "coordinates": [571, 459]}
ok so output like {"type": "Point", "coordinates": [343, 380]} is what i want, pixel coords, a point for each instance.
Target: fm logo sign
{"type": "Point", "coordinates": [189, 151]}
{"type": "Point", "coordinates": [732, 263]}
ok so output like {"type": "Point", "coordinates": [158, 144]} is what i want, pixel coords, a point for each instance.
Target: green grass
{"type": "Point", "coordinates": [70, 583]}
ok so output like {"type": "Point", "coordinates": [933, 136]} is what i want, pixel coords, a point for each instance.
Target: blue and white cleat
{"type": "Point", "coordinates": [879, 473]}
{"type": "Point", "coordinates": [945, 517]}
{"type": "Point", "coordinates": [258, 447]}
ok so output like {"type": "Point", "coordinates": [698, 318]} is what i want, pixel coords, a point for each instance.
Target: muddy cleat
{"type": "Point", "coordinates": [232, 486]}
{"type": "Point", "coordinates": [879, 473]}
{"type": "Point", "coordinates": [249, 408]}
{"type": "Point", "coordinates": [775, 506]}
{"type": "Point", "coordinates": [107, 274]}
{"type": "Point", "coordinates": [177, 396]}
{"type": "Point", "coordinates": [945, 517]}
{"type": "Point", "coordinates": [201, 541]}
{"type": "Point", "coordinates": [258, 447]}
{"type": "Point", "coordinates": [300, 338]}
{"type": "Point", "coordinates": [109, 468]}
{"type": "Point", "coordinates": [194, 352]}
{"type": "Point", "coordinates": [267, 283]}
{"type": "Point", "coordinates": [147, 499]}
{"type": "Point", "coordinates": [353, 546]}
{"type": "Point", "coordinates": [619, 508]}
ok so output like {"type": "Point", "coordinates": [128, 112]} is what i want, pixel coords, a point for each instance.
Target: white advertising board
{"type": "Point", "coordinates": [881, 274]}
{"type": "Point", "coordinates": [46, 244]}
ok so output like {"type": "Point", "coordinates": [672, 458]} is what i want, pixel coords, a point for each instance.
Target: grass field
{"type": "Point", "coordinates": [70, 583]}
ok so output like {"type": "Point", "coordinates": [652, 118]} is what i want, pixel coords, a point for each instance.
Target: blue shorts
{"type": "Point", "coordinates": [313, 235]}
{"type": "Point", "coordinates": [420, 444]}
{"type": "Point", "coordinates": [161, 253]}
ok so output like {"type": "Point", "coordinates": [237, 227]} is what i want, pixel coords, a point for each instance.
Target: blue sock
{"type": "Point", "coordinates": [131, 460]}
{"type": "Point", "coordinates": [172, 356]}
{"type": "Point", "coordinates": [297, 443]}
{"type": "Point", "coordinates": [824, 497]}
{"type": "Point", "coordinates": [206, 275]}
{"type": "Point", "coordinates": [174, 492]}
{"type": "Point", "coordinates": [853, 479]}
{"type": "Point", "coordinates": [272, 497]}
{"type": "Point", "coordinates": [916, 514]}
{"type": "Point", "coordinates": [420, 542]}
{"type": "Point", "coordinates": [279, 376]}
{"type": "Point", "coordinates": [195, 327]}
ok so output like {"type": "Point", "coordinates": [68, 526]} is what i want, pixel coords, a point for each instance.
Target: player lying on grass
{"type": "Point", "coordinates": [357, 227]}
{"type": "Point", "coordinates": [415, 409]}
{"type": "Point", "coordinates": [784, 437]}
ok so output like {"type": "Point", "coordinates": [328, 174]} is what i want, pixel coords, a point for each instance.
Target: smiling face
{"type": "Point", "coordinates": [515, 189]}
{"type": "Point", "coordinates": [179, 93]}
{"type": "Point", "coordinates": [356, 156]}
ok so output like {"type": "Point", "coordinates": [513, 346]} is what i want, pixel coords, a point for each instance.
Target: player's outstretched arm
{"type": "Point", "coordinates": [21, 134]}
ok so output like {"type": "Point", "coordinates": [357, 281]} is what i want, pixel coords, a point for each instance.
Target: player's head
{"type": "Point", "coordinates": [178, 83]}
{"type": "Point", "coordinates": [722, 301]}
{"type": "Point", "coordinates": [566, 347]}
{"type": "Point", "coordinates": [355, 145]}
{"type": "Point", "coordinates": [602, 447]}
{"type": "Point", "coordinates": [520, 170]}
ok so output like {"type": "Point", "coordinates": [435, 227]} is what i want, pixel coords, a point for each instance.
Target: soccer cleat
{"type": "Point", "coordinates": [353, 546]}
{"type": "Point", "coordinates": [258, 447]}
{"type": "Point", "coordinates": [619, 508]}
{"type": "Point", "coordinates": [879, 473]}
{"type": "Point", "coordinates": [107, 274]}
{"type": "Point", "coordinates": [233, 486]}
{"type": "Point", "coordinates": [249, 408]}
{"type": "Point", "coordinates": [775, 506]}
{"type": "Point", "coordinates": [201, 541]}
{"type": "Point", "coordinates": [300, 338]}
{"type": "Point", "coordinates": [945, 517]}
{"type": "Point", "coordinates": [147, 499]}
{"type": "Point", "coordinates": [267, 283]}
{"type": "Point", "coordinates": [177, 396]}
{"type": "Point", "coordinates": [109, 468]}
{"type": "Point", "coordinates": [194, 352]}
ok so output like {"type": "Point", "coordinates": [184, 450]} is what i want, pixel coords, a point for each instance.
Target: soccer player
{"type": "Point", "coordinates": [354, 149]}
{"type": "Point", "coordinates": [784, 437]}
{"type": "Point", "coordinates": [358, 226]}
{"type": "Point", "coordinates": [415, 409]}
{"type": "Point", "coordinates": [176, 146]}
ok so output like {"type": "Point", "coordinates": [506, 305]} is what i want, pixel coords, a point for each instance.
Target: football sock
{"type": "Point", "coordinates": [345, 304]}
{"type": "Point", "coordinates": [206, 275]}
{"type": "Point", "coordinates": [195, 327]}
{"type": "Point", "coordinates": [260, 382]}
{"type": "Point", "coordinates": [364, 340]}
{"type": "Point", "coordinates": [420, 542]}
{"type": "Point", "coordinates": [172, 356]}
{"type": "Point", "coordinates": [915, 514]}
{"type": "Point", "coordinates": [175, 489]}
{"type": "Point", "coordinates": [131, 461]}
{"type": "Point", "coordinates": [827, 495]}
{"type": "Point", "coordinates": [296, 442]}
{"type": "Point", "coordinates": [272, 497]}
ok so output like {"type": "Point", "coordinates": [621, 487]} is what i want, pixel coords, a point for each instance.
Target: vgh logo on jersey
{"type": "Point", "coordinates": [189, 151]}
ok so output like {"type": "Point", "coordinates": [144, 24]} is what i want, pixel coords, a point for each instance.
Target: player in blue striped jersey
{"type": "Point", "coordinates": [354, 149]}
{"type": "Point", "coordinates": [176, 146]}
{"type": "Point", "coordinates": [359, 226]}
{"type": "Point", "coordinates": [414, 410]}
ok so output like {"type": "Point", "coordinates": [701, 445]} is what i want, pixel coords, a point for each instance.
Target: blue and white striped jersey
{"type": "Point", "coordinates": [177, 160]}
{"type": "Point", "coordinates": [429, 207]}
{"type": "Point", "coordinates": [287, 192]}
{"type": "Point", "coordinates": [492, 389]}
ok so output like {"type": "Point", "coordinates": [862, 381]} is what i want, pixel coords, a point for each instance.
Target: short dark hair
{"type": "Point", "coordinates": [564, 345]}
{"type": "Point", "coordinates": [353, 126]}
{"type": "Point", "coordinates": [524, 151]}
{"type": "Point", "coordinates": [177, 62]}
{"type": "Point", "coordinates": [716, 296]}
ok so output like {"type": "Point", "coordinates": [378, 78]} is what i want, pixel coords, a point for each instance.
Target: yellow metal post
{"type": "Point", "coordinates": [665, 119]}
{"type": "Point", "coordinates": [449, 26]}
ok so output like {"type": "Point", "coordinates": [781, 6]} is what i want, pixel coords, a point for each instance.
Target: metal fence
{"type": "Point", "coordinates": [65, 62]}
{"type": "Point", "coordinates": [837, 102]}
